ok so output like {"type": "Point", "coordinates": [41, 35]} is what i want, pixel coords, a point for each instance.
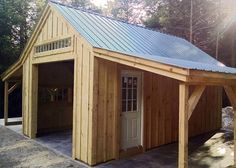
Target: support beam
{"type": "Point", "coordinates": [6, 102]}
{"type": "Point", "coordinates": [13, 88]}
{"type": "Point", "coordinates": [231, 93]}
{"type": "Point", "coordinates": [183, 125]}
{"type": "Point", "coordinates": [194, 98]}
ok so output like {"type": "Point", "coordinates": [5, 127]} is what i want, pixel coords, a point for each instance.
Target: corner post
{"type": "Point", "coordinates": [183, 125]}
{"type": "Point", "coordinates": [6, 85]}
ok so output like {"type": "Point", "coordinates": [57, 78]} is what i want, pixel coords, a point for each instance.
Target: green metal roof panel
{"type": "Point", "coordinates": [108, 33]}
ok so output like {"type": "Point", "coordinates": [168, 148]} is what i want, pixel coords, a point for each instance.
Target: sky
{"type": "Point", "coordinates": [99, 3]}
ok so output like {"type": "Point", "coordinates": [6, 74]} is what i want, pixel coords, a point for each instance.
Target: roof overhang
{"type": "Point", "coordinates": [14, 71]}
{"type": "Point", "coordinates": [189, 76]}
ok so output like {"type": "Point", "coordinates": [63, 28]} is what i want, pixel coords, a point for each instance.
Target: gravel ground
{"type": "Point", "coordinates": [212, 150]}
{"type": "Point", "coordinates": [19, 151]}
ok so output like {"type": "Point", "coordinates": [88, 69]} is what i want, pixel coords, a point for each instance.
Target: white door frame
{"type": "Point", "coordinates": [140, 101]}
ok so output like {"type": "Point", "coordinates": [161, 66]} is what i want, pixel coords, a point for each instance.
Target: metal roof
{"type": "Point", "coordinates": [108, 33]}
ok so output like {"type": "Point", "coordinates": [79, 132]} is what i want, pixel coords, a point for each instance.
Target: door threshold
{"type": "Point", "coordinates": [124, 153]}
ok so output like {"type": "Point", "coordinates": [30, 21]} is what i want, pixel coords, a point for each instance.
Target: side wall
{"type": "Point", "coordinates": [160, 101]}
{"type": "Point", "coordinates": [161, 106]}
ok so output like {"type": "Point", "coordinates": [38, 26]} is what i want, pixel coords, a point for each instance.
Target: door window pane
{"type": "Point", "coordinates": [134, 93]}
{"type": "Point", "coordinates": [129, 93]}
{"type": "Point", "coordinates": [123, 94]}
{"type": "Point", "coordinates": [124, 82]}
{"type": "Point", "coordinates": [129, 105]}
{"type": "Point", "coordinates": [134, 105]}
{"type": "Point", "coordinates": [123, 106]}
{"type": "Point", "coordinates": [129, 82]}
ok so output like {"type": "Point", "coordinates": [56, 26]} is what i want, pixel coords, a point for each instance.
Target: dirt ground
{"type": "Point", "coordinates": [19, 151]}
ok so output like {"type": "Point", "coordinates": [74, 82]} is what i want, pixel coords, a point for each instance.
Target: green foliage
{"type": "Point", "coordinates": [17, 18]}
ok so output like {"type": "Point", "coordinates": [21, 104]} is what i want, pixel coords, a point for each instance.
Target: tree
{"type": "Point", "coordinates": [17, 18]}
{"type": "Point", "coordinates": [128, 10]}
{"type": "Point", "coordinates": [193, 20]}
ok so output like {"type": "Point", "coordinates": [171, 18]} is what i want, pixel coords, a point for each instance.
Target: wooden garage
{"type": "Point", "coordinates": [122, 89]}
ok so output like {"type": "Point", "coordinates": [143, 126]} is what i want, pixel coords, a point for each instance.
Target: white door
{"type": "Point", "coordinates": [130, 111]}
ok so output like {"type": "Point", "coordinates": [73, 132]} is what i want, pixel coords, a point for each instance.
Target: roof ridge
{"type": "Point", "coordinates": [108, 17]}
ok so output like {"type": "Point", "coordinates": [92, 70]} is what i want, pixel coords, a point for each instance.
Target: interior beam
{"type": "Point", "coordinates": [13, 88]}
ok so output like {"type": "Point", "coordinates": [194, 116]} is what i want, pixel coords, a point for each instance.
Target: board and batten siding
{"type": "Point", "coordinates": [160, 109]}
{"type": "Point", "coordinates": [29, 97]}
{"type": "Point", "coordinates": [83, 101]}
{"type": "Point", "coordinates": [161, 104]}
{"type": "Point", "coordinates": [51, 28]}
{"type": "Point", "coordinates": [105, 119]}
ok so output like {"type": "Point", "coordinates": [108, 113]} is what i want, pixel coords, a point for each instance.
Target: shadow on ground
{"type": "Point", "coordinates": [212, 150]}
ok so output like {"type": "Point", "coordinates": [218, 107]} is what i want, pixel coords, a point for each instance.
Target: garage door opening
{"type": "Point", "coordinates": [55, 105]}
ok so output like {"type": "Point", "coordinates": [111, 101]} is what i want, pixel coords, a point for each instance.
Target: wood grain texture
{"type": "Point", "coordinates": [161, 115]}
{"type": "Point", "coordinates": [6, 97]}
{"type": "Point", "coordinates": [183, 125]}
{"type": "Point", "coordinates": [83, 103]}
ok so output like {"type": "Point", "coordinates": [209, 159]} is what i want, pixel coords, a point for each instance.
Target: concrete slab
{"type": "Point", "coordinates": [16, 128]}
{"type": "Point", "coordinates": [60, 141]}
{"type": "Point", "coordinates": [212, 150]}
{"type": "Point", "coordinates": [19, 151]}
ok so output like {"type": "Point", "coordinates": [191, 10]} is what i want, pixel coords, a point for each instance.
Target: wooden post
{"type": "Point", "coordinates": [6, 102]}
{"type": "Point", "coordinates": [183, 125]}
{"type": "Point", "coordinates": [232, 97]}
{"type": "Point", "coordinates": [33, 100]}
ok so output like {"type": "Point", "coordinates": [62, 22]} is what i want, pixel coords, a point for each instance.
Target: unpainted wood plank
{"type": "Point", "coordinates": [10, 90]}
{"type": "Point", "coordinates": [183, 125]}
{"type": "Point", "coordinates": [95, 112]}
{"type": "Point", "coordinates": [194, 98]}
{"type": "Point", "coordinates": [168, 114]}
{"type": "Point", "coordinates": [118, 114]}
{"type": "Point", "coordinates": [111, 79]}
{"type": "Point", "coordinates": [34, 97]}
{"type": "Point", "coordinates": [78, 120]}
{"type": "Point", "coordinates": [90, 105]}
{"type": "Point", "coordinates": [54, 25]}
{"type": "Point", "coordinates": [6, 86]}
{"type": "Point", "coordinates": [101, 109]}
{"type": "Point", "coordinates": [140, 65]}
{"type": "Point", "coordinates": [84, 105]}
{"type": "Point", "coordinates": [147, 108]}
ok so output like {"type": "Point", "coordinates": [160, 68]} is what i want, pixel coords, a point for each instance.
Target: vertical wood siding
{"type": "Point", "coordinates": [105, 110]}
{"type": "Point", "coordinates": [83, 101]}
{"type": "Point", "coordinates": [30, 95]}
{"type": "Point", "coordinates": [161, 115]}
{"type": "Point", "coordinates": [54, 27]}
{"type": "Point", "coordinates": [161, 110]}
